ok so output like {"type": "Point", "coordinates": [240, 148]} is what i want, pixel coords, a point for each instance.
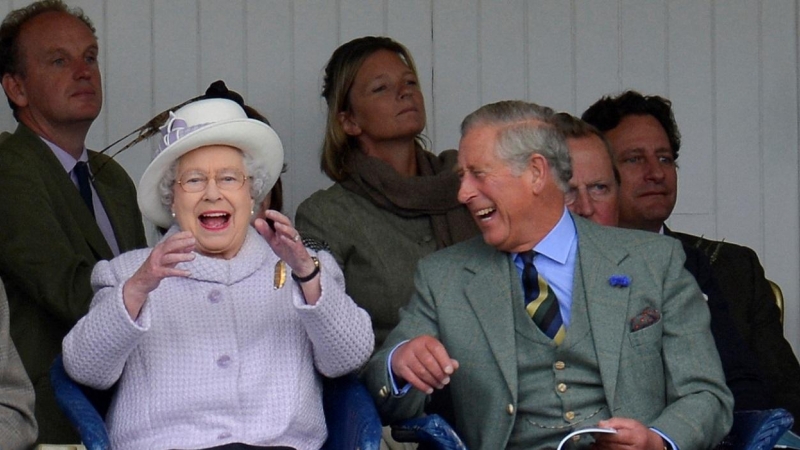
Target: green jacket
{"type": "Point", "coordinates": [49, 243]}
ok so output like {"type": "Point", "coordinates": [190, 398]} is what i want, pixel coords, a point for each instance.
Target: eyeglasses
{"type": "Point", "coordinates": [226, 179]}
{"type": "Point", "coordinates": [598, 192]}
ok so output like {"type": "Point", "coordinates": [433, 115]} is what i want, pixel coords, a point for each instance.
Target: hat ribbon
{"type": "Point", "coordinates": [174, 130]}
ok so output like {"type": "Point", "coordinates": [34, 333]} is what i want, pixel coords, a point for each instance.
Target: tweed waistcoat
{"type": "Point", "coordinates": [574, 396]}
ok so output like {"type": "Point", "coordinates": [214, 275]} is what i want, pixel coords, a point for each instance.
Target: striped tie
{"type": "Point", "coordinates": [540, 300]}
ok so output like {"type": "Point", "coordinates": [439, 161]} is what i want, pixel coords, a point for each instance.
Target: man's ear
{"type": "Point", "coordinates": [15, 90]}
{"type": "Point", "coordinates": [539, 170]}
{"type": "Point", "coordinates": [349, 126]}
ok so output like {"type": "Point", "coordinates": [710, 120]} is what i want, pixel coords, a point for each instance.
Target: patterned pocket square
{"type": "Point", "coordinates": [645, 318]}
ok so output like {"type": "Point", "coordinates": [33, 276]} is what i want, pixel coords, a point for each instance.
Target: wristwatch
{"type": "Point", "coordinates": [309, 276]}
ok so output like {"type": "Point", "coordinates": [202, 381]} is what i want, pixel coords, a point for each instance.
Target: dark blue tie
{"type": "Point", "coordinates": [540, 300]}
{"type": "Point", "coordinates": [82, 174]}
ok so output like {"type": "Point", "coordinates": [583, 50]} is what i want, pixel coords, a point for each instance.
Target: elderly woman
{"type": "Point", "coordinates": [211, 345]}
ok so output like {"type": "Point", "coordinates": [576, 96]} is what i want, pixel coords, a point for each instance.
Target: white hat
{"type": "Point", "coordinates": [207, 122]}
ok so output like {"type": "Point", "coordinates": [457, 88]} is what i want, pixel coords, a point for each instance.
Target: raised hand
{"type": "Point", "coordinates": [159, 265]}
{"type": "Point", "coordinates": [285, 241]}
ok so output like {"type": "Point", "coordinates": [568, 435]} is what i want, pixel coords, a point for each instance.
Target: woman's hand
{"type": "Point", "coordinates": [159, 265]}
{"type": "Point", "coordinates": [285, 241]}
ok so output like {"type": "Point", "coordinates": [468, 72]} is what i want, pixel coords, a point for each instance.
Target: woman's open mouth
{"type": "Point", "coordinates": [214, 220]}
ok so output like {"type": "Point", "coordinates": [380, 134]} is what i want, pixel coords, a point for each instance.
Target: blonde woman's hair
{"type": "Point", "coordinates": [340, 73]}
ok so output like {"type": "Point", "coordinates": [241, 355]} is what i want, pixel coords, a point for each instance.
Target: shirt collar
{"type": "Point", "coordinates": [556, 245]}
{"type": "Point", "coordinates": [66, 160]}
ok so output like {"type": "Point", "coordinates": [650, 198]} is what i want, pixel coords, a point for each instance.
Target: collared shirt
{"type": "Point", "coordinates": [555, 261]}
{"type": "Point", "coordinates": [101, 217]}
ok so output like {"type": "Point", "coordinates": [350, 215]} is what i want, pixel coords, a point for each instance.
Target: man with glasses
{"type": "Point", "coordinates": [64, 208]}
{"type": "Point", "coordinates": [645, 141]}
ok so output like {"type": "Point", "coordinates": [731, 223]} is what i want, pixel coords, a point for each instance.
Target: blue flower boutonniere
{"type": "Point", "coordinates": [620, 281]}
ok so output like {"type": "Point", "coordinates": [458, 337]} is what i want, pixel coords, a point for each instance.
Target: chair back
{"type": "Point", "coordinates": [756, 430]}
{"type": "Point", "coordinates": [80, 412]}
{"type": "Point", "coordinates": [778, 294]}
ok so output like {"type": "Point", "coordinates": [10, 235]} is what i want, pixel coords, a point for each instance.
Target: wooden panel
{"type": "Point", "coordinates": [597, 51]}
{"type": "Point", "coordinates": [176, 55]}
{"type": "Point", "coordinates": [270, 66]}
{"type": "Point", "coordinates": [691, 89]}
{"type": "Point", "coordinates": [7, 122]}
{"type": "Point", "coordinates": [739, 182]}
{"type": "Point", "coordinates": [311, 52]}
{"type": "Point", "coordinates": [456, 82]}
{"type": "Point", "coordinates": [222, 43]}
{"type": "Point", "coordinates": [644, 45]}
{"type": "Point", "coordinates": [699, 224]}
{"type": "Point", "coordinates": [361, 18]}
{"type": "Point", "coordinates": [503, 55]}
{"type": "Point", "coordinates": [551, 60]}
{"type": "Point", "coordinates": [779, 137]}
{"type": "Point", "coordinates": [128, 94]}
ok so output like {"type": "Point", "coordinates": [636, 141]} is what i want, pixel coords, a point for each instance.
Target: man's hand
{"type": "Point", "coordinates": [424, 363]}
{"type": "Point", "coordinates": [631, 435]}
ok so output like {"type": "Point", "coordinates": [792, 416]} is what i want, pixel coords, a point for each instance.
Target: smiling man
{"type": "Point", "coordinates": [64, 207]}
{"type": "Point", "coordinates": [548, 321]}
{"type": "Point", "coordinates": [645, 141]}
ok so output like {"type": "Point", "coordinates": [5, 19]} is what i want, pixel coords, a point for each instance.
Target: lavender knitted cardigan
{"type": "Point", "coordinates": [218, 357]}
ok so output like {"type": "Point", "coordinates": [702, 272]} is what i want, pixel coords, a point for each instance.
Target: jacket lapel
{"type": "Point", "coordinates": [81, 214]}
{"type": "Point", "coordinates": [607, 306]}
{"type": "Point", "coordinates": [490, 293]}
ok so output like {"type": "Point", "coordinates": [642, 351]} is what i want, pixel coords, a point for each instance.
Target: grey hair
{"type": "Point", "coordinates": [260, 184]}
{"type": "Point", "coordinates": [524, 129]}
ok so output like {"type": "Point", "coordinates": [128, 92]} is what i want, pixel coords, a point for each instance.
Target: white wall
{"type": "Point", "coordinates": [730, 67]}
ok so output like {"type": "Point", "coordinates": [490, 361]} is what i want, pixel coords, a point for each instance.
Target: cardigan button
{"type": "Point", "coordinates": [224, 361]}
{"type": "Point", "coordinates": [569, 415]}
{"type": "Point", "coordinates": [510, 409]}
{"type": "Point", "coordinates": [384, 392]}
{"type": "Point", "coordinates": [215, 296]}
{"type": "Point", "coordinates": [559, 365]}
{"type": "Point", "coordinates": [561, 387]}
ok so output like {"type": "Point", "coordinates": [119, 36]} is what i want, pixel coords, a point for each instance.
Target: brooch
{"type": "Point", "coordinates": [280, 275]}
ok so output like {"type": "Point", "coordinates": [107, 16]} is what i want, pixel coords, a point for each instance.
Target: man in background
{"type": "Point", "coordinates": [64, 208]}
{"type": "Point", "coordinates": [645, 141]}
{"type": "Point", "coordinates": [594, 188]}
